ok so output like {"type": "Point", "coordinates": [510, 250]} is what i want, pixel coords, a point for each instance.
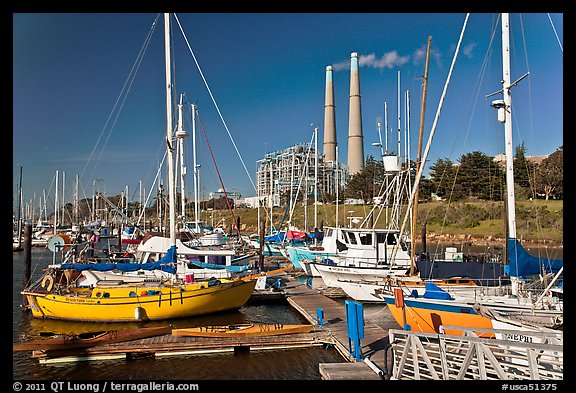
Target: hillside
{"type": "Point", "coordinates": [537, 220]}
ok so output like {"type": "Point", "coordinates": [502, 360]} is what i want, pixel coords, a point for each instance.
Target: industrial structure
{"type": "Point", "coordinates": [330, 142]}
{"type": "Point", "coordinates": [355, 137]}
{"type": "Point", "coordinates": [299, 170]}
{"type": "Point", "coordinates": [291, 173]}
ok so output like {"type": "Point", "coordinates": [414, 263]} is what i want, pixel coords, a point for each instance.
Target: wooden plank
{"type": "Point", "coordinates": [307, 300]}
{"type": "Point", "coordinates": [347, 371]}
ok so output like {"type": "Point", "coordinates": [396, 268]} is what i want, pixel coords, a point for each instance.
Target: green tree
{"type": "Point", "coordinates": [549, 175]}
{"type": "Point", "coordinates": [366, 184]}
{"type": "Point", "coordinates": [480, 176]}
{"type": "Point", "coordinates": [522, 172]}
{"type": "Point", "coordinates": [442, 179]}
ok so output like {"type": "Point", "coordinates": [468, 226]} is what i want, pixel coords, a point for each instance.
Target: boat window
{"type": "Point", "coordinates": [386, 238]}
{"type": "Point", "coordinates": [328, 232]}
{"type": "Point", "coordinates": [350, 238]}
{"type": "Point", "coordinates": [365, 239]}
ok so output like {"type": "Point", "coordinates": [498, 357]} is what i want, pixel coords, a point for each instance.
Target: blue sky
{"type": "Point", "coordinates": [266, 73]}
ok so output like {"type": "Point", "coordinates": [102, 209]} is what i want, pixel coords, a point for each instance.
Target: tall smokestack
{"type": "Point", "coordinates": [355, 138]}
{"type": "Point", "coordinates": [329, 119]}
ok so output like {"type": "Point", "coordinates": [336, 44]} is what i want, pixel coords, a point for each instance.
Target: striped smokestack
{"type": "Point", "coordinates": [355, 138]}
{"type": "Point", "coordinates": [329, 119]}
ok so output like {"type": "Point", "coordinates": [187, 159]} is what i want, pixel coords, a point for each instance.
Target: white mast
{"type": "Point", "coordinates": [508, 126]}
{"type": "Point", "coordinates": [337, 185]}
{"type": "Point", "coordinates": [399, 122]}
{"type": "Point", "coordinates": [316, 182]}
{"type": "Point", "coordinates": [63, 198]}
{"type": "Point", "coordinates": [76, 202]}
{"type": "Point", "coordinates": [196, 178]}
{"type": "Point", "coordinates": [505, 116]}
{"type": "Point", "coordinates": [56, 205]}
{"type": "Point", "coordinates": [180, 135]}
{"type": "Point", "coordinates": [169, 146]}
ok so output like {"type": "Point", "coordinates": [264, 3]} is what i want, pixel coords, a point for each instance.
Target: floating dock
{"type": "Point", "coordinates": [169, 345]}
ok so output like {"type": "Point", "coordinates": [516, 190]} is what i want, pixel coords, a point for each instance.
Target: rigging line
{"type": "Point", "coordinates": [431, 136]}
{"type": "Point", "coordinates": [214, 101]}
{"type": "Point", "coordinates": [553, 28]}
{"type": "Point", "coordinates": [152, 189]}
{"type": "Point", "coordinates": [123, 93]}
{"type": "Point", "coordinates": [300, 182]}
{"type": "Point", "coordinates": [530, 114]}
{"type": "Point", "coordinates": [218, 171]}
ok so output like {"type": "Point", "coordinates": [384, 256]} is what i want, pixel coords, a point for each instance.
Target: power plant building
{"type": "Point", "coordinates": [281, 173]}
{"type": "Point", "coordinates": [285, 173]}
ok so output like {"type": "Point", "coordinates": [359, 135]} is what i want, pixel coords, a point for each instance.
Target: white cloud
{"type": "Point", "coordinates": [387, 60]}
{"type": "Point", "coordinates": [468, 49]}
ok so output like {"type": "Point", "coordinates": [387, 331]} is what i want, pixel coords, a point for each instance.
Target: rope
{"type": "Point", "coordinates": [218, 171]}
{"type": "Point", "coordinates": [553, 28]}
{"type": "Point", "coordinates": [214, 101]}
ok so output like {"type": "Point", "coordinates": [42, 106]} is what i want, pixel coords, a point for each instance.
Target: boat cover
{"type": "Point", "coordinates": [520, 263]}
{"type": "Point", "coordinates": [166, 264]}
{"type": "Point", "coordinates": [433, 291]}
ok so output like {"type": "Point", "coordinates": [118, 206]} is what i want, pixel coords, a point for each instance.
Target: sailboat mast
{"type": "Point", "coordinates": [196, 184]}
{"type": "Point", "coordinates": [508, 126]}
{"type": "Point", "coordinates": [316, 181]}
{"type": "Point", "coordinates": [180, 135]}
{"type": "Point", "coordinates": [20, 218]}
{"type": "Point", "coordinates": [169, 146]}
{"type": "Point", "coordinates": [419, 158]}
{"type": "Point", "coordinates": [337, 186]}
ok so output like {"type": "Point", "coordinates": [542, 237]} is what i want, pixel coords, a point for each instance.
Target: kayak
{"type": "Point", "coordinates": [242, 330]}
{"type": "Point", "coordinates": [84, 340]}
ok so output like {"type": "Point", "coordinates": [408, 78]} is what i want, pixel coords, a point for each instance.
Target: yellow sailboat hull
{"type": "Point", "coordinates": [137, 302]}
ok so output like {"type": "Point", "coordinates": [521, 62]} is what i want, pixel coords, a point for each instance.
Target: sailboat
{"type": "Point", "coordinates": [374, 253]}
{"type": "Point", "coordinates": [427, 313]}
{"type": "Point", "coordinates": [67, 294]}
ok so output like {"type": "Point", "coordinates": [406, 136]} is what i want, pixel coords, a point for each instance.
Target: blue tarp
{"type": "Point", "coordinates": [433, 291]}
{"type": "Point", "coordinates": [277, 237]}
{"type": "Point", "coordinates": [521, 264]}
{"type": "Point", "coordinates": [232, 268]}
{"type": "Point", "coordinates": [166, 264]}
{"type": "Point", "coordinates": [317, 235]}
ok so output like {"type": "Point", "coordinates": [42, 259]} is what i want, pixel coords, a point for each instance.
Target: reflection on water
{"type": "Point", "coordinates": [297, 364]}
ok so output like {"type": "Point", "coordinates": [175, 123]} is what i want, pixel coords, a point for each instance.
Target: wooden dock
{"type": "Point", "coordinates": [332, 331]}
{"type": "Point", "coordinates": [169, 345]}
{"type": "Point", "coordinates": [307, 301]}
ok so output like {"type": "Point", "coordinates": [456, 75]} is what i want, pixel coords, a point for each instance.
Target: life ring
{"type": "Point", "coordinates": [47, 283]}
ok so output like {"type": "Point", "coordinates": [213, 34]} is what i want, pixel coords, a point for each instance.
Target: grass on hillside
{"type": "Point", "coordinates": [537, 219]}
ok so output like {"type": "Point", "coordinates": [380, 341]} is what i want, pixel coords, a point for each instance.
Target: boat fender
{"type": "Point", "coordinates": [47, 283]}
{"type": "Point", "coordinates": [138, 313]}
